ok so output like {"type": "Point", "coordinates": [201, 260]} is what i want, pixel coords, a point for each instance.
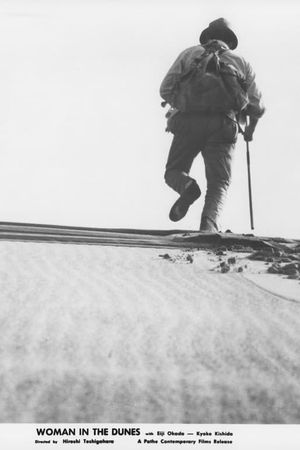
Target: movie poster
{"type": "Point", "coordinates": [129, 318]}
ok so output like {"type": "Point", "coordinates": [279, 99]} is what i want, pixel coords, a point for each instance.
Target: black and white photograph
{"type": "Point", "coordinates": [149, 224]}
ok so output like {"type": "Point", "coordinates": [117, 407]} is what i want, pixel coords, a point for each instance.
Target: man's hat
{"type": "Point", "coordinates": [219, 29]}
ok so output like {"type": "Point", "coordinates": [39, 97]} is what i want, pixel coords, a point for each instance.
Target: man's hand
{"type": "Point", "coordinates": [249, 128]}
{"type": "Point", "coordinates": [248, 133]}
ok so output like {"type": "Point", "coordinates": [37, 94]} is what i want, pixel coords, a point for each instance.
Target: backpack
{"type": "Point", "coordinates": [211, 85]}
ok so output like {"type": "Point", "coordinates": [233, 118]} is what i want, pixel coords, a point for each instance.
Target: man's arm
{"type": "Point", "coordinates": [169, 83]}
{"type": "Point", "coordinates": [255, 108]}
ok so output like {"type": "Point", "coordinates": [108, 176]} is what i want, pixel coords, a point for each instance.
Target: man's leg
{"type": "Point", "coordinates": [218, 160]}
{"type": "Point", "coordinates": [185, 147]}
{"type": "Point", "coordinates": [179, 163]}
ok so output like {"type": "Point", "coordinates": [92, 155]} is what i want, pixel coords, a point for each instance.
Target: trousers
{"type": "Point", "coordinates": [214, 136]}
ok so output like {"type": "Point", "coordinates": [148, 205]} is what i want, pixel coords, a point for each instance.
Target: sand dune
{"type": "Point", "coordinates": [120, 334]}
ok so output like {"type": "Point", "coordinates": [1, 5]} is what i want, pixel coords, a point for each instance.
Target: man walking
{"type": "Point", "coordinates": [207, 87]}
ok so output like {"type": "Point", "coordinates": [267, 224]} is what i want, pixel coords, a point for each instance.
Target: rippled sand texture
{"type": "Point", "coordinates": [108, 334]}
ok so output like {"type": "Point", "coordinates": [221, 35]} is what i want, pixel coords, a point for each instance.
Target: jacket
{"type": "Point", "coordinates": [255, 107]}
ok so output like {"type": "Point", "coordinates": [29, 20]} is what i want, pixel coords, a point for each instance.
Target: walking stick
{"type": "Point", "coordinates": [249, 184]}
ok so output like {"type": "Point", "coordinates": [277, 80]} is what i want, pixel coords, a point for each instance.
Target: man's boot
{"type": "Point", "coordinates": [208, 225]}
{"type": "Point", "coordinates": [181, 206]}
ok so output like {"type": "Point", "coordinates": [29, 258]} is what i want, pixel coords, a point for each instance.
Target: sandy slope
{"type": "Point", "coordinates": [108, 334]}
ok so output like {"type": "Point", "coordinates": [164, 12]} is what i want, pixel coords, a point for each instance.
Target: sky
{"type": "Point", "coordinates": [82, 138]}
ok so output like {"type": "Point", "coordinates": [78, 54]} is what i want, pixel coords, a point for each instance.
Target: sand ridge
{"type": "Point", "coordinates": [120, 334]}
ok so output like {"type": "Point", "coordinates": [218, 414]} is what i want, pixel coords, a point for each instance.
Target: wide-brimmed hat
{"type": "Point", "coordinates": [219, 29]}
